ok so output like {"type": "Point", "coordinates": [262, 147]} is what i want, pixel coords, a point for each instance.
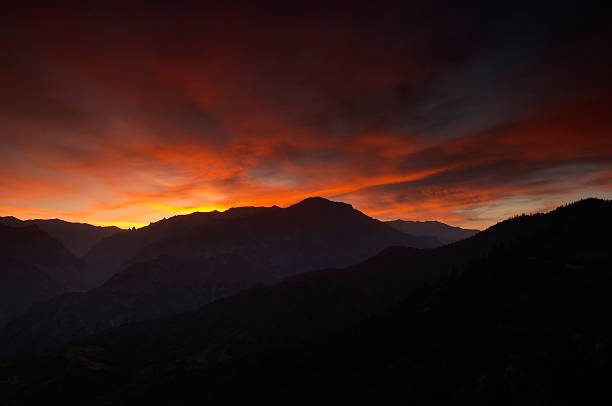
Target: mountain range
{"type": "Point", "coordinates": [518, 313]}
{"type": "Point", "coordinates": [315, 233]}
{"type": "Point", "coordinates": [309, 235]}
{"type": "Point", "coordinates": [406, 318]}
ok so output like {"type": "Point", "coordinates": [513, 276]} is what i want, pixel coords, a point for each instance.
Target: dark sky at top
{"type": "Point", "coordinates": [124, 113]}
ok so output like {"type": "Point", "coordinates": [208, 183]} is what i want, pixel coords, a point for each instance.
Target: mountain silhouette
{"type": "Point", "coordinates": [528, 323]}
{"type": "Point", "coordinates": [456, 322]}
{"type": "Point", "coordinates": [78, 238]}
{"type": "Point", "coordinates": [146, 290]}
{"type": "Point", "coordinates": [312, 234]}
{"type": "Point", "coordinates": [33, 267]}
{"type": "Point", "coordinates": [443, 232]}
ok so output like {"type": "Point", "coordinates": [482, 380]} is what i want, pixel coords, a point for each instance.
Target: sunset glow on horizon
{"type": "Point", "coordinates": [123, 116]}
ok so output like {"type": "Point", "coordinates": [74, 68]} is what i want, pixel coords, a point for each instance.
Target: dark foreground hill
{"type": "Point", "coordinates": [523, 319]}
{"type": "Point", "coordinates": [313, 234]}
{"type": "Point", "coordinates": [34, 267]}
{"type": "Point", "coordinates": [443, 232]}
{"type": "Point", "coordinates": [78, 238]}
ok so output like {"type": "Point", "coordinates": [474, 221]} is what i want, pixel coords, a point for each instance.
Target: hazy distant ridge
{"type": "Point", "coordinates": [77, 237]}
{"type": "Point", "coordinates": [443, 232]}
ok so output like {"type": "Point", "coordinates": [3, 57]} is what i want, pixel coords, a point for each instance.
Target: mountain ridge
{"type": "Point", "coordinates": [76, 237]}
{"type": "Point", "coordinates": [143, 291]}
{"type": "Point", "coordinates": [288, 239]}
{"type": "Point", "coordinates": [445, 233]}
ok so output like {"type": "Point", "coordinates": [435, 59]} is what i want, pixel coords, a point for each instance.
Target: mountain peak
{"type": "Point", "coordinates": [11, 221]}
{"type": "Point", "coordinates": [319, 202]}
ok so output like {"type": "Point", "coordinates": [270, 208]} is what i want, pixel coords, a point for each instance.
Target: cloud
{"type": "Point", "coordinates": [414, 112]}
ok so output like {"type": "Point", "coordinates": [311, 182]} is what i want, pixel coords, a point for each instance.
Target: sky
{"type": "Point", "coordinates": [125, 114]}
